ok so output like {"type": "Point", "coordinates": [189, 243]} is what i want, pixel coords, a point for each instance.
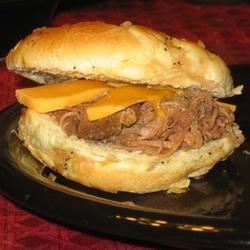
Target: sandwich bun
{"type": "Point", "coordinates": [109, 169]}
{"type": "Point", "coordinates": [126, 53]}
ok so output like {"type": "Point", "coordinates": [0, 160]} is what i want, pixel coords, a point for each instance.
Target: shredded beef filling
{"type": "Point", "coordinates": [191, 119]}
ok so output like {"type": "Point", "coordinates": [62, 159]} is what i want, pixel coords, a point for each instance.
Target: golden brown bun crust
{"type": "Point", "coordinates": [99, 166]}
{"type": "Point", "coordinates": [127, 53]}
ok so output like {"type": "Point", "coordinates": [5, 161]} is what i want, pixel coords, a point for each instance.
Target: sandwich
{"type": "Point", "coordinates": [124, 107]}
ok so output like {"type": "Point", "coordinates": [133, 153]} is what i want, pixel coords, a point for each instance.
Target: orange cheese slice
{"type": "Point", "coordinates": [232, 107]}
{"type": "Point", "coordinates": [57, 96]}
{"type": "Point", "coordinates": [122, 97]}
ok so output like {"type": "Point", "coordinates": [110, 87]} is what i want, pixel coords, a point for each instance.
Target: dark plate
{"type": "Point", "coordinates": [214, 212]}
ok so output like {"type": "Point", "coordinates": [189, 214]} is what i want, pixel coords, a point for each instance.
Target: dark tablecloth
{"type": "Point", "coordinates": [225, 29]}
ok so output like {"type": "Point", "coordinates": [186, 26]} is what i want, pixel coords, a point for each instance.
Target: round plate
{"type": "Point", "coordinates": [214, 212]}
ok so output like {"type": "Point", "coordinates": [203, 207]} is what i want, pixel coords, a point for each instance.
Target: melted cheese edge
{"type": "Point", "coordinates": [58, 96]}
{"type": "Point", "coordinates": [123, 97]}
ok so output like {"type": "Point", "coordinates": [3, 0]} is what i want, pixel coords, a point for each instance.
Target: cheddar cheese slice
{"type": "Point", "coordinates": [58, 96]}
{"type": "Point", "coordinates": [232, 107]}
{"type": "Point", "coordinates": [123, 97]}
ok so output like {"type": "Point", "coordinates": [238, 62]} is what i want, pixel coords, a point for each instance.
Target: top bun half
{"type": "Point", "coordinates": [126, 53]}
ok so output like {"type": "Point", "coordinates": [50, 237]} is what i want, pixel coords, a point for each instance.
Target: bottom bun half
{"type": "Point", "coordinates": [106, 168]}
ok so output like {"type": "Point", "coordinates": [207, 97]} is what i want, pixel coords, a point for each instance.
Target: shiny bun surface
{"type": "Point", "coordinates": [126, 53]}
